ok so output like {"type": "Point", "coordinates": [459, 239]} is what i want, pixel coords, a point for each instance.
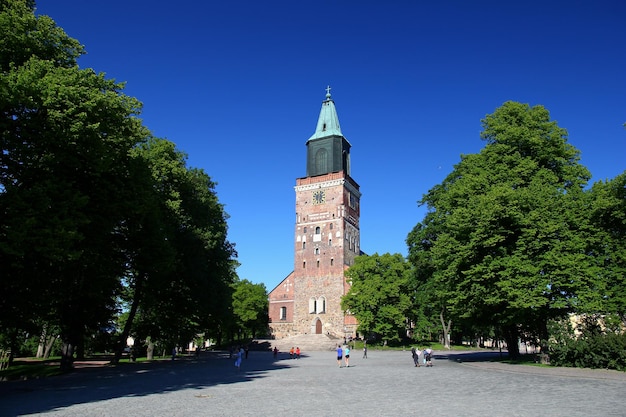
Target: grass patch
{"type": "Point", "coordinates": [421, 345]}
{"type": "Point", "coordinates": [35, 369]}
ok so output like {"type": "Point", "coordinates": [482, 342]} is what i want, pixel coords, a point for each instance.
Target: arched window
{"type": "Point", "coordinates": [321, 161]}
{"type": "Point", "coordinates": [318, 230]}
{"type": "Point", "coordinates": [321, 305]}
{"type": "Point", "coordinates": [312, 305]}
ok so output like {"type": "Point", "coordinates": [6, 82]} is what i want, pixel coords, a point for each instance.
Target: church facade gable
{"type": "Point", "coordinates": [281, 308]}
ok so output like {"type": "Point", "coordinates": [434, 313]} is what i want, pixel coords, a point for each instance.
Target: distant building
{"type": "Point", "coordinates": [326, 240]}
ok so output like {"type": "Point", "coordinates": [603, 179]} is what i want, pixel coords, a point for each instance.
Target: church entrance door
{"type": "Point", "coordinates": [318, 326]}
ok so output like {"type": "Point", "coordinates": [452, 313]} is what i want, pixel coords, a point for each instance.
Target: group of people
{"type": "Point", "coordinates": [343, 353]}
{"type": "Point", "coordinates": [294, 353]}
{"type": "Point", "coordinates": [422, 357]}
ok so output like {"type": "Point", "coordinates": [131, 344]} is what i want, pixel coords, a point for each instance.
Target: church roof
{"type": "Point", "coordinates": [328, 122]}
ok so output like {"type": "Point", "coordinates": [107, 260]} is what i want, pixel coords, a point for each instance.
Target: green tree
{"type": "Point", "coordinates": [430, 304]}
{"type": "Point", "coordinates": [608, 216]}
{"type": "Point", "coordinates": [509, 232]}
{"type": "Point", "coordinates": [66, 134]}
{"type": "Point", "coordinates": [181, 261]}
{"type": "Point", "coordinates": [94, 210]}
{"type": "Point", "coordinates": [250, 306]}
{"type": "Point", "coordinates": [379, 295]}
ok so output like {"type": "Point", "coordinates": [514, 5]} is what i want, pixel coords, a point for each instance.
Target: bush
{"type": "Point", "coordinates": [594, 350]}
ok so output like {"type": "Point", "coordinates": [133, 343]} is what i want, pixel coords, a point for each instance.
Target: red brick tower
{"type": "Point", "coordinates": [327, 238]}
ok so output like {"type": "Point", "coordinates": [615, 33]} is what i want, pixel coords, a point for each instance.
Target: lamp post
{"type": "Point", "coordinates": [131, 351]}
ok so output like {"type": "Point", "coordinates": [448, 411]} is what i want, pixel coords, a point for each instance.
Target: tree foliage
{"type": "Point", "coordinates": [180, 261]}
{"type": "Point", "coordinates": [94, 210]}
{"type": "Point", "coordinates": [250, 307]}
{"type": "Point", "coordinates": [379, 295]}
{"type": "Point", "coordinates": [505, 241]}
{"type": "Point", "coordinates": [608, 217]}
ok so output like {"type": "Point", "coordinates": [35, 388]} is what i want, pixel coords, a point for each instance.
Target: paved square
{"type": "Point", "coordinates": [385, 384]}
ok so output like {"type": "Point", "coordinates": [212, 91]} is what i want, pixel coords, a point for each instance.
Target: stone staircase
{"type": "Point", "coordinates": [307, 342]}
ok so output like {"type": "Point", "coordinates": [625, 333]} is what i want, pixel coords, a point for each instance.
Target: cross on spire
{"type": "Point", "coordinates": [328, 91]}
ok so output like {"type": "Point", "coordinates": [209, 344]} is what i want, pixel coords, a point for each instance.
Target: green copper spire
{"type": "Point", "coordinates": [327, 150]}
{"type": "Point", "coordinates": [328, 122]}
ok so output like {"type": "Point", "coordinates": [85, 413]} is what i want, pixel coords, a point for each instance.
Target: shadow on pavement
{"type": "Point", "coordinates": [472, 356]}
{"type": "Point", "coordinates": [133, 380]}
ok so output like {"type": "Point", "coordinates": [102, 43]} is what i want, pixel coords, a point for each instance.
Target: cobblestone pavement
{"type": "Point", "coordinates": [385, 384]}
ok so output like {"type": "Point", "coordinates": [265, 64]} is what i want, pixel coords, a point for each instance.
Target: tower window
{"type": "Point", "coordinates": [303, 245]}
{"type": "Point", "coordinates": [317, 251]}
{"type": "Point", "coordinates": [318, 230]}
{"type": "Point", "coordinates": [330, 242]}
{"type": "Point", "coordinates": [332, 261]}
{"type": "Point", "coordinates": [304, 229]}
{"type": "Point", "coordinates": [303, 264]}
{"type": "Point", "coordinates": [321, 305]}
{"type": "Point", "coordinates": [321, 161]}
{"type": "Point", "coordinates": [331, 226]}
{"type": "Point", "coordinates": [318, 263]}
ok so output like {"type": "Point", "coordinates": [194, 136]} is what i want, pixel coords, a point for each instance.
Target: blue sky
{"type": "Point", "coordinates": [238, 86]}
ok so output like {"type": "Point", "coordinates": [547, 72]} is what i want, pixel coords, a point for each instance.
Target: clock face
{"type": "Point", "coordinates": [319, 197]}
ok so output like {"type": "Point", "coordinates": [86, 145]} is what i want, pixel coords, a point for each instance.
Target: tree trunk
{"type": "Point", "coordinates": [12, 345]}
{"type": "Point", "coordinates": [544, 355]}
{"type": "Point", "coordinates": [446, 330]}
{"type": "Point", "coordinates": [49, 344]}
{"type": "Point", "coordinates": [511, 337]}
{"type": "Point", "coordinates": [218, 337]}
{"type": "Point", "coordinates": [121, 344]}
{"type": "Point", "coordinates": [42, 342]}
{"type": "Point", "coordinates": [150, 352]}
{"type": "Point", "coordinates": [67, 356]}
{"type": "Point", "coordinates": [80, 349]}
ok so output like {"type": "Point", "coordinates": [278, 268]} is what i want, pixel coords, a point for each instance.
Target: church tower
{"type": "Point", "coordinates": [326, 241]}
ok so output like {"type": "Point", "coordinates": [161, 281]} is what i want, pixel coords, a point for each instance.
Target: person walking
{"type": "Point", "coordinates": [346, 355]}
{"type": "Point", "coordinates": [339, 355]}
{"type": "Point", "coordinates": [416, 356]}
{"type": "Point", "coordinates": [298, 352]}
{"type": "Point", "coordinates": [428, 357]}
{"type": "Point", "coordinates": [364, 351]}
{"type": "Point", "coordinates": [239, 357]}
